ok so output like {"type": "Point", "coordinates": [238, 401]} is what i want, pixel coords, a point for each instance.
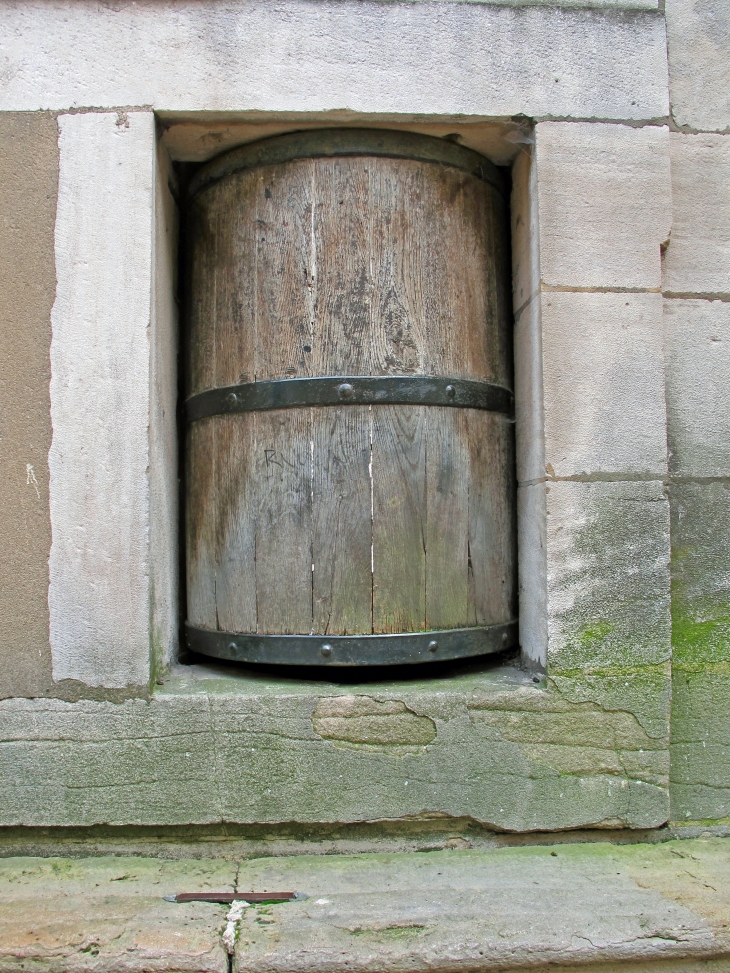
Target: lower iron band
{"type": "Point", "coordinates": [353, 650]}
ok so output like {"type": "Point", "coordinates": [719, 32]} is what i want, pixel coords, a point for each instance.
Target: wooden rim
{"type": "Point", "coordinates": [333, 142]}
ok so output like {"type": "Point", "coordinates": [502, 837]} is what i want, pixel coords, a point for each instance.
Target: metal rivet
{"type": "Point", "coordinates": [326, 650]}
{"type": "Point", "coordinates": [505, 638]}
{"type": "Point", "coordinates": [432, 646]}
{"type": "Point", "coordinates": [345, 390]}
{"type": "Point", "coordinates": [451, 391]}
{"type": "Point", "coordinates": [232, 398]}
{"type": "Point", "coordinates": [233, 647]}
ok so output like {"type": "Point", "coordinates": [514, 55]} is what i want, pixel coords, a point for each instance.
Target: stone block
{"type": "Point", "coordinates": [486, 744]}
{"type": "Point", "coordinates": [608, 575]}
{"type": "Point", "coordinates": [697, 339]}
{"type": "Point", "coordinates": [697, 260]}
{"type": "Point", "coordinates": [700, 775]}
{"type": "Point", "coordinates": [297, 56]}
{"type": "Point", "coordinates": [603, 378]}
{"type": "Point", "coordinates": [698, 41]}
{"type": "Point", "coordinates": [700, 515]}
{"type": "Point", "coordinates": [99, 593]}
{"type": "Point", "coordinates": [62, 914]}
{"type": "Point", "coordinates": [604, 197]}
{"type": "Point", "coordinates": [588, 906]}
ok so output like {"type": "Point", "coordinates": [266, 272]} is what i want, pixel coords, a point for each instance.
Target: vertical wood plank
{"type": "Point", "coordinates": [399, 518]}
{"type": "Point", "coordinates": [492, 591]}
{"type": "Point", "coordinates": [342, 528]}
{"type": "Point", "coordinates": [282, 471]}
{"type": "Point", "coordinates": [200, 527]}
{"type": "Point", "coordinates": [235, 513]}
{"type": "Point", "coordinates": [447, 516]}
{"type": "Point", "coordinates": [286, 271]}
{"type": "Point", "coordinates": [400, 346]}
{"type": "Point", "coordinates": [233, 315]}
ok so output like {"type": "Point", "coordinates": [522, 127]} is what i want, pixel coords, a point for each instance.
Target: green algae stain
{"type": "Point", "coordinates": [700, 635]}
{"type": "Point", "coordinates": [594, 635]}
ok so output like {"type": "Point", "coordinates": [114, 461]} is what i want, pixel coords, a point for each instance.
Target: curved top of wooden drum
{"type": "Point", "coordinates": [332, 142]}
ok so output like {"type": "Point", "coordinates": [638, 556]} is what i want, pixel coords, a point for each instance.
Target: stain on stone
{"type": "Point", "coordinates": [365, 721]}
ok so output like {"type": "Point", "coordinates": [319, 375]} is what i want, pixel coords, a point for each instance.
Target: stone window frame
{"type": "Point", "coordinates": [100, 633]}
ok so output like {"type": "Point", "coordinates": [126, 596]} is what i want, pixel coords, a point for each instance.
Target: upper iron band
{"type": "Point", "coordinates": [293, 393]}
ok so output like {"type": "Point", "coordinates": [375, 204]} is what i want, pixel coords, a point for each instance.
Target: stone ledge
{"type": "Point", "coordinates": [597, 906]}
{"type": "Point", "coordinates": [580, 750]}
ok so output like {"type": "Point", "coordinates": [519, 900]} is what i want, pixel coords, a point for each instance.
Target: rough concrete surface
{"type": "Point", "coordinates": [108, 914]}
{"type": "Point", "coordinates": [608, 575]}
{"type": "Point", "coordinates": [698, 39]}
{"type": "Point", "coordinates": [697, 352]}
{"type": "Point", "coordinates": [29, 179]}
{"type": "Point", "coordinates": [605, 204]}
{"type": "Point", "coordinates": [597, 906]}
{"type": "Point", "coordinates": [603, 381]}
{"type": "Point", "coordinates": [700, 725]}
{"type": "Point", "coordinates": [700, 789]}
{"type": "Point", "coordinates": [99, 595]}
{"type": "Point", "coordinates": [697, 259]}
{"type": "Point", "coordinates": [298, 56]}
{"type": "Point", "coordinates": [217, 745]}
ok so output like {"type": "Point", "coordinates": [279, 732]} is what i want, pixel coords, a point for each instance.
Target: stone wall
{"type": "Point", "coordinates": [696, 284]}
{"type": "Point", "coordinates": [607, 177]}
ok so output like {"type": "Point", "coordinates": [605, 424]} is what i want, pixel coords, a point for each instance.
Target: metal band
{"type": "Point", "coordinates": [353, 650]}
{"type": "Point", "coordinates": [329, 143]}
{"type": "Point", "coordinates": [297, 393]}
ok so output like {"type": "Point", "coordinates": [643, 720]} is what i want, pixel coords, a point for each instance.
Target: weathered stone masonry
{"type": "Point", "coordinates": [615, 121]}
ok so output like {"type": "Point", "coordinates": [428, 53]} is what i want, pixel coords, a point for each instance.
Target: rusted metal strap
{"type": "Point", "coordinates": [343, 142]}
{"type": "Point", "coordinates": [297, 393]}
{"type": "Point", "coordinates": [353, 650]}
{"type": "Point", "coordinates": [225, 898]}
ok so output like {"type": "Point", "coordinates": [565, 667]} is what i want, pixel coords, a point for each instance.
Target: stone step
{"type": "Point", "coordinates": [586, 905]}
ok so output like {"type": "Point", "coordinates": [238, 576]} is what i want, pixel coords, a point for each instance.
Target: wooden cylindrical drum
{"type": "Point", "coordinates": [350, 469]}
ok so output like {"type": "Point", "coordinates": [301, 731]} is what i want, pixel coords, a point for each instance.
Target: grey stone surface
{"type": "Point", "coordinates": [698, 36]}
{"type": "Point", "coordinates": [511, 909]}
{"type": "Point", "coordinates": [700, 785]}
{"type": "Point", "coordinates": [700, 574]}
{"type": "Point", "coordinates": [604, 204]}
{"type": "Point", "coordinates": [73, 916]}
{"type": "Point", "coordinates": [490, 745]}
{"type": "Point", "coordinates": [297, 56]}
{"type": "Point", "coordinates": [603, 380]}
{"type": "Point", "coordinates": [608, 575]}
{"type": "Point", "coordinates": [698, 402]}
{"type": "Point", "coordinates": [697, 260]}
{"type": "Point", "coordinates": [597, 907]}
{"type": "Point", "coordinates": [529, 393]}
{"type": "Point", "coordinates": [532, 570]}
{"type": "Point", "coordinates": [525, 227]}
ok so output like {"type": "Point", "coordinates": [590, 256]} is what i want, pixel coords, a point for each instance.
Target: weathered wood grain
{"type": "Point", "coordinates": [349, 520]}
{"type": "Point", "coordinates": [399, 518]}
{"type": "Point", "coordinates": [282, 472]}
{"type": "Point", "coordinates": [448, 477]}
{"type": "Point", "coordinates": [235, 521]}
{"type": "Point", "coordinates": [200, 523]}
{"type": "Point", "coordinates": [342, 526]}
{"type": "Point", "coordinates": [492, 526]}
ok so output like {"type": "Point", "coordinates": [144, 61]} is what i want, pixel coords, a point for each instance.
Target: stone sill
{"type": "Point", "coordinates": [211, 746]}
{"type": "Point", "coordinates": [599, 906]}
